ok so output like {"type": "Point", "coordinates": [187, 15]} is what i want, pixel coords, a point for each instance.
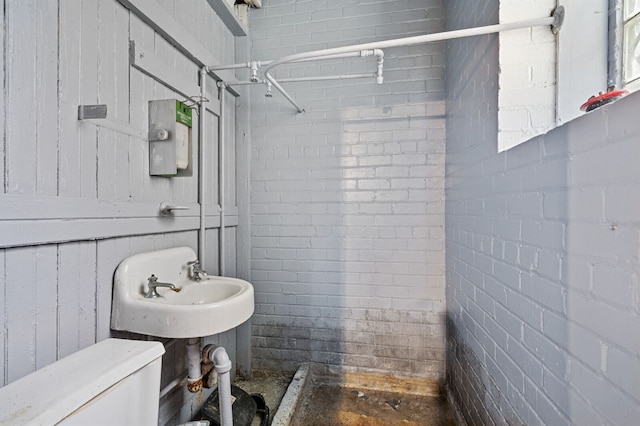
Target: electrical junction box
{"type": "Point", "coordinates": [170, 138]}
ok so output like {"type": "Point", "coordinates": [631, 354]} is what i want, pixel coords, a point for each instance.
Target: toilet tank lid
{"type": "Point", "coordinates": [50, 394]}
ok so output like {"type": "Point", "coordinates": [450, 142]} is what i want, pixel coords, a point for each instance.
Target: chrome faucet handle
{"type": "Point", "coordinates": [153, 284]}
{"type": "Point", "coordinates": [197, 273]}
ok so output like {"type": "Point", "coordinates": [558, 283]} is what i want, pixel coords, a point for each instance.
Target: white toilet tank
{"type": "Point", "coordinates": [114, 382]}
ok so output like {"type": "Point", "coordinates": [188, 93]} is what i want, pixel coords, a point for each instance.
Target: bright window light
{"type": "Point", "coordinates": [631, 44]}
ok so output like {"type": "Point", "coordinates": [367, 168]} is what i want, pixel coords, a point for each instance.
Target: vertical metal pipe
{"type": "Point", "coordinates": [194, 358]}
{"type": "Point", "coordinates": [614, 62]}
{"type": "Point", "coordinates": [202, 168]}
{"type": "Point", "coordinates": [222, 87]}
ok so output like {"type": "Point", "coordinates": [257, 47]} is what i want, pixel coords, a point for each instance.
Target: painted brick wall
{"type": "Point", "coordinates": [527, 76]}
{"type": "Point", "coordinates": [542, 256]}
{"type": "Point", "coordinates": [348, 198]}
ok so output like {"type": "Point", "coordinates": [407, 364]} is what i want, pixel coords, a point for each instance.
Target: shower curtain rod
{"type": "Point", "coordinates": [265, 63]}
{"type": "Point", "coordinates": [300, 79]}
{"type": "Point", "coordinates": [554, 21]}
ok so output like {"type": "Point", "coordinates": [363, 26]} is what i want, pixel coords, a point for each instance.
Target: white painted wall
{"type": "Point", "coordinates": [77, 199]}
{"type": "Point", "coordinates": [545, 78]}
{"type": "Point", "coordinates": [347, 198]}
{"type": "Point", "coordinates": [542, 246]}
{"type": "Point", "coordinates": [527, 76]}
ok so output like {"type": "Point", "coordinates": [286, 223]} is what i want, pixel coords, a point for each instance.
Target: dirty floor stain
{"type": "Point", "coordinates": [330, 405]}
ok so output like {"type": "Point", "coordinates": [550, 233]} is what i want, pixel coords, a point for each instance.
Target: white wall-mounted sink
{"type": "Point", "coordinates": [201, 308]}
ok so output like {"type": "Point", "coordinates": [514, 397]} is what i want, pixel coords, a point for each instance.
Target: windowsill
{"type": "Point", "coordinates": [591, 119]}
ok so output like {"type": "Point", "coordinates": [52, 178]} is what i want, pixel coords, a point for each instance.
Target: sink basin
{"type": "Point", "coordinates": [210, 291]}
{"type": "Point", "coordinates": [200, 308]}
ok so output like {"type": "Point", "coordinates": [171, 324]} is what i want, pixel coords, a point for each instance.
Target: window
{"type": "Point", "coordinates": [545, 78]}
{"type": "Point", "coordinates": [631, 44]}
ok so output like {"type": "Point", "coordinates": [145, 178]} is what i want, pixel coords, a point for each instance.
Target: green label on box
{"type": "Point", "coordinates": [183, 114]}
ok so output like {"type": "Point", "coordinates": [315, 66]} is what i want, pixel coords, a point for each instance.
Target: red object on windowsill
{"type": "Point", "coordinates": [602, 99]}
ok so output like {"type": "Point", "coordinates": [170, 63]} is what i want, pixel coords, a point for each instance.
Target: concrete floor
{"type": "Point", "coordinates": [361, 402]}
{"type": "Point", "coordinates": [272, 386]}
{"type": "Point", "coordinates": [330, 405]}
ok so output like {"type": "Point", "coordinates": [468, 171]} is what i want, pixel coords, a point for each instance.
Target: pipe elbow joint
{"type": "Point", "coordinates": [218, 355]}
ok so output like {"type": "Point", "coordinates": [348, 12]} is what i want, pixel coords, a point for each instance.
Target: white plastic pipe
{"type": "Point", "coordinates": [409, 41]}
{"type": "Point", "coordinates": [222, 87]}
{"type": "Point", "coordinates": [245, 83]}
{"type": "Point", "coordinates": [328, 55]}
{"type": "Point", "coordinates": [218, 355]}
{"type": "Point", "coordinates": [297, 79]}
{"type": "Point", "coordinates": [202, 168]}
{"type": "Point", "coordinates": [283, 92]}
{"type": "Point", "coordinates": [364, 53]}
{"type": "Point", "coordinates": [178, 381]}
{"type": "Point", "coordinates": [231, 66]}
{"type": "Point", "coordinates": [406, 41]}
{"type": "Point", "coordinates": [380, 54]}
{"type": "Point", "coordinates": [274, 82]}
{"type": "Point", "coordinates": [119, 127]}
{"type": "Point", "coordinates": [328, 77]}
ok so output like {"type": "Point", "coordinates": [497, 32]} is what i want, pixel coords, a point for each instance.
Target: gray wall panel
{"type": "Point", "coordinates": [69, 183]}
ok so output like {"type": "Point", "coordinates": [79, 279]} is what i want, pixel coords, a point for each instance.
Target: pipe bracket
{"type": "Point", "coordinates": [558, 19]}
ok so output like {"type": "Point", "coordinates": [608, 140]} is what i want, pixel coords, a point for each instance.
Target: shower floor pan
{"type": "Point", "coordinates": [314, 399]}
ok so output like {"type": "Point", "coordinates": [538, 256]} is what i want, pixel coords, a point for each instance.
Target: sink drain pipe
{"type": "Point", "coordinates": [218, 355]}
{"type": "Point", "coordinates": [221, 363]}
{"type": "Point", "coordinates": [194, 358]}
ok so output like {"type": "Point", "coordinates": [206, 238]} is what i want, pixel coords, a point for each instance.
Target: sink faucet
{"type": "Point", "coordinates": [197, 273]}
{"type": "Point", "coordinates": [153, 284]}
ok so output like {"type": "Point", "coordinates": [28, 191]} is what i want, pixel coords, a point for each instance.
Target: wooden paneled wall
{"type": "Point", "coordinates": [76, 199]}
